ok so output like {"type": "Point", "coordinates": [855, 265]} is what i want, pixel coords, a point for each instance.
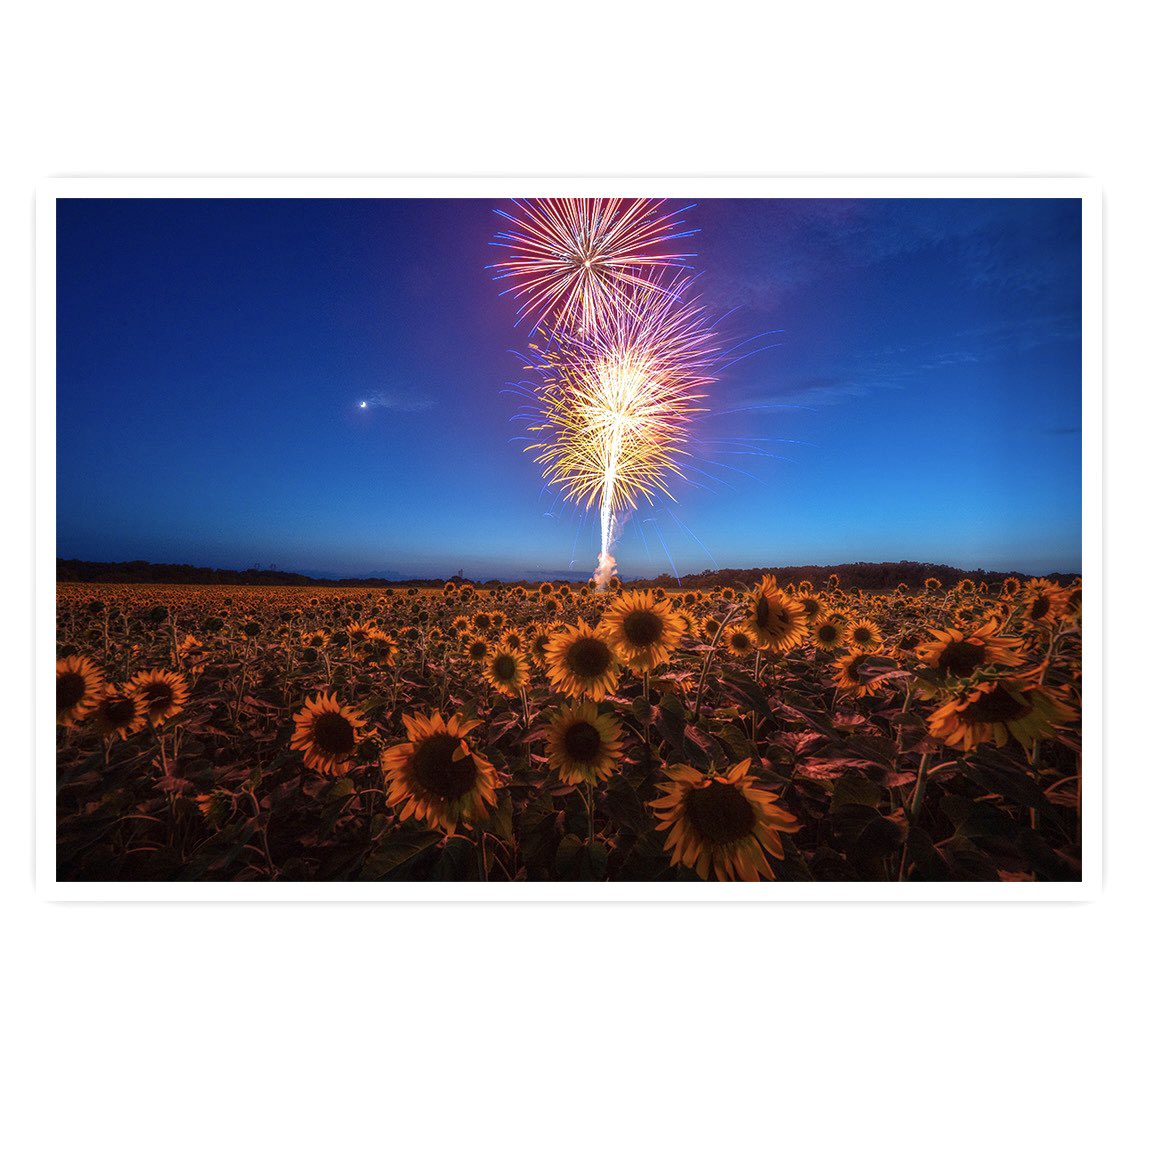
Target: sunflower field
{"type": "Point", "coordinates": [760, 733]}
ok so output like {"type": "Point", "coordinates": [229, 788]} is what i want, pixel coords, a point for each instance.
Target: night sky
{"type": "Point", "coordinates": [920, 400]}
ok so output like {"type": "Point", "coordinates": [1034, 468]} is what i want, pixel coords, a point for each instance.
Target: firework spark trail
{"type": "Point", "coordinates": [573, 259]}
{"type": "Point", "coordinates": [622, 353]}
{"type": "Point", "coordinates": [615, 405]}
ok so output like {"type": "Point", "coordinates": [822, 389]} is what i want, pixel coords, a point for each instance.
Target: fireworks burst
{"type": "Point", "coordinates": [573, 259]}
{"type": "Point", "coordinates": [615, 404]}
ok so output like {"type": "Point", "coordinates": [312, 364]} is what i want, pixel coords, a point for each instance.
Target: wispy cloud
{"type": "Point", "coordinates": [788, 244]}
{"type": "Point", "coordinates": [398, 401]}
{"type": "Point", "coordinates": [821, 390]}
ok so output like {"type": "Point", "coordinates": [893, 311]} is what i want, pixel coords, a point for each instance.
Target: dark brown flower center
{"type": "Point", "coordinates": [643, 628]}
{"type": "Point", "coordinates": [333, 734]}
{"type": "Point", "coordinates": [1040, 607]}
{"type": "Point", "coordinates": [827, 633]}
{"type": "Point", "coordinates": [740, 641]}
{"type": "Point", "coordinates": [862, 634]}
{"type": "Point", "coordinates": [118, 711]}
{"type": "Point", "coordinates": [997, 706]}
{"type": "Point", "coordinates": [477, 649]}
{"type": "Point", "coordinates": [69, 690]}
{"type": "Point", "coordinates": [437, 772]}
{"type": "Point", "coordinates": [157, 694]}
{"type": "Point", "coordinates": [767, 615]}
{"type": "Point", "coordinates": [504, 667]}
{"type": "Point", "coordinates": [720, 812]}
{"type": "Point", "coordinates": [961, 658]}
{"type": "Point", "coordinates": [588, 657]}
{"type": "Point", "coordinates": [582, 741]}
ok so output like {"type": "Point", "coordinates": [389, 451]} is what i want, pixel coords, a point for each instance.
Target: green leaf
{"type": "Point", "coordinates": [500, 824]}
{"type": "Point", "coordinates": [568, 857]}
{"type": "Point", "coordinates": [399, 848]}
{"type": "Point", "coordinates": [456, 861]}
{"type": "Point", "coordinates": [855, 790]}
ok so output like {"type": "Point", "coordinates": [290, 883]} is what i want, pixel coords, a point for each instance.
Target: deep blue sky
{"type": "Point", "coordinates": [922, 399]}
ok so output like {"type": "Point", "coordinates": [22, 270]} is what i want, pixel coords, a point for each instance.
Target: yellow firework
{"type": "Point", "coordinates": [615, 405]}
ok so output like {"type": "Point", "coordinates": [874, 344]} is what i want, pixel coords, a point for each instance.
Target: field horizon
{"type": "Point", "coordinates": [871, 575]}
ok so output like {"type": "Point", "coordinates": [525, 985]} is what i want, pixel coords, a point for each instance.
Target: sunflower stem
{"type": "Point", "coordinates": [913, 814]}
{"type": "Point", "coordinates": [708, 659]}
{"type": "Point", "coordinates": [647, 722]}
{"type": "Point", "coordinates": [260, 824]}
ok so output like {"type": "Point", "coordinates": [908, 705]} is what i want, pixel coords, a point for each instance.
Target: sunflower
{"type": "Point", "coordinates": [437, 776]}
{"type": "Point", "coordinates": [932, 584]}
{"type": "Point", "coordinates": [1010, 586]}
{"type": "Point", "coordinates": [812, 606]}
{"type": "Point", "coordinates": [380, 649]}
{"type": "Point", "coordinates": [506, 671]}
{"type": "Point", "coordinates": [317, 638]}
{"type": "Point", "coordinates": [580, 662]}
{"type": "Point", "coordinates": [776, 621]}
{"type": "Point", "coordinates": [642, 630]}
{"type": "Point", "coordinates": [959, 653]}
{"type": "Point", "coordinates": [513, 640]}
{"type": "Point", "coordinates": [1074, 604]}
{"type": "Point", "coordinates": [721, 825]}
{"type": "Point", "coordinates": [996, 710]}
{"type": "Point", "coordinates": [852, 681]}
{"type": "Point", "coordinates": [583, 745]}
{"type": "Point", "coordinates": [829, 633]}
{"type": "Point", "coordinates": [740, 641]}
{"type": "Point", "coordinates": [79, 688]}
{"type": "Point", "coordinates": [864, 634]}
{"type": "Point", "coordinates": [327, 732]}
{"type": "Point", "coordinates": [162, 693]}
{"type": "Point", "coordinates": [1044, 602]}
{"type": "Point", "coordinates": [476, 648]}
{"type": "Point", "coordinates": [119, 713]}
{"type": "Point", "coordinates": [689, 623]}
{"type": "Point", "coordinates": [538, 644]}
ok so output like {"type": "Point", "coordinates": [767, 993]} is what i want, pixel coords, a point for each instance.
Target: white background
{"type": "Point", "coordinates": [627, 1026]}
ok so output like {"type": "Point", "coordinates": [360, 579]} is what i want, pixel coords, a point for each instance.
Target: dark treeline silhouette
{"type": "Point", "coordinates": [868, 576]}
{"type": "Point", "coordinates": [865, 575]}
{"type": "Point", "coordinates": [143, 572]}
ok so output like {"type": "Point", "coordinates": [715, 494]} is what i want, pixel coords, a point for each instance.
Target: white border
{"type": "Point", "coordinates": [694, 188]}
